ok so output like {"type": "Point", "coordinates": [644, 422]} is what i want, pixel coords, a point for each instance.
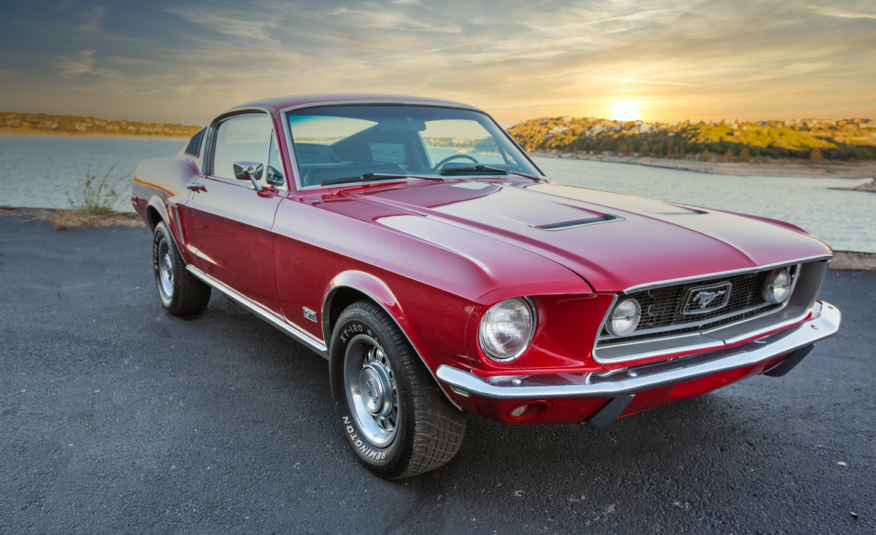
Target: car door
{"type": "Point", "coordinates": [228, 221]}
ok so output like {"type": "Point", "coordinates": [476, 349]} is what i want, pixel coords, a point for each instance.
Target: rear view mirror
{"type": "Point", "coordinates": [402, 125]}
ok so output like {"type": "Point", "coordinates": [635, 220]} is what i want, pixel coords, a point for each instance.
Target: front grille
{"type": "Point", "coordinates": [662, 307]}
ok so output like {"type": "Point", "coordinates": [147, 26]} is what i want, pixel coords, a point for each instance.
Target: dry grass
{"type": "Point", "coordinates": [73, 219]}
{"type": "Point", "coordinates": [93, 204]}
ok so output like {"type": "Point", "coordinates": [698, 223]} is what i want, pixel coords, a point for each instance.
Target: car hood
{"type": "Point", "coordinates": [613, 241]}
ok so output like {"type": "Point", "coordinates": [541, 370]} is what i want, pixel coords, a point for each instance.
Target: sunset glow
{"type": "Point", "coordinates": [625, 110]}
{"type": "Point", "coordinates": [187, 60]}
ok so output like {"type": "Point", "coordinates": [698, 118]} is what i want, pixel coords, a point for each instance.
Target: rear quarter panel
{"type": "Point", "coordinates": [158, 190]}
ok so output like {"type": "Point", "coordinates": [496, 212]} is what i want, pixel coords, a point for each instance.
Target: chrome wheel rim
{"type": "Point", "coordinates": [165, 269]}
{"type": "Point", "coordinates": [371, 390]}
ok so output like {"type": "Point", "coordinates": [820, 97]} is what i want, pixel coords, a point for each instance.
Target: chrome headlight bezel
{"type": "Point", "coordinates": [768, 292]}
{"type": "Point", "coordinates": [609, 322]}
{"type": "Point", "coordinates": [492, 353]}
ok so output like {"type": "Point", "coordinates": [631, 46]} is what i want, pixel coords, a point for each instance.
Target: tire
{"type": "Point", "coordinates": [392, 414]}
{"type": "Point", "coordinates": [181, 292]}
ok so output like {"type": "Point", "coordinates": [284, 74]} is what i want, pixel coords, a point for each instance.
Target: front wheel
{"type": "Point", "coordinates": [392, 414]}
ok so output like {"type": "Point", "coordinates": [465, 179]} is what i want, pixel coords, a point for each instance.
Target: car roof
{"type": "Point", "coordinates": [280, 103]}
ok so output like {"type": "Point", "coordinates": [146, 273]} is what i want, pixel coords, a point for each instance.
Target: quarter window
{"type": "Point", "coordinates": [275, 166]}
{"type": "Point", "coordinates": [194, 146]}
{"type": "Point", "coordinates": [241, 139]}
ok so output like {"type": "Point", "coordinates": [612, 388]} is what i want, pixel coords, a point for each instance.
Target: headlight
{"type": "Point", "coordinates": [777, 286]}
{"type": "Point", "coordinates": [506, 329]}
{"type": "Point", "coordinates": [624, 318]}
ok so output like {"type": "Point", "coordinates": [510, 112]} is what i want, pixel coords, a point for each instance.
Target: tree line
{"type": "Point", "coordinates": [816, 140]}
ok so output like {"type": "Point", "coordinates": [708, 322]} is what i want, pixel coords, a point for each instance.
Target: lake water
{"type": "Point", "coordinates": [39, 171]}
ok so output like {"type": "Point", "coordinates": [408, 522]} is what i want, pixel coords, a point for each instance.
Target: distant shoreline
{"type": "Point", "coordinates": [12, 133]}
{"type": "Point", "coordinates": [774, 168]}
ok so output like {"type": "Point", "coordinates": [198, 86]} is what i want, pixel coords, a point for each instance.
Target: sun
{"type": "Point", "coordinates": [625, 110]}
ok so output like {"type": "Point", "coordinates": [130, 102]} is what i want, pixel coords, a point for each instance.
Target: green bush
{"type": "Point", "coordinates": [97, 194]}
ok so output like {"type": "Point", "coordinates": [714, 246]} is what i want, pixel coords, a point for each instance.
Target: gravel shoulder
{"type": "Point", "coordinates": [115, 417]}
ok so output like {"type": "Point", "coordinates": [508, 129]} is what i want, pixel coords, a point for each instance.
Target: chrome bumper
{"type": "Point", "coordinates": [637, 379]}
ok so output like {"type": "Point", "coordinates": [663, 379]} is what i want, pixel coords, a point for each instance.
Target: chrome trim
{"type": "Point", "coordinates": [672, 351]}
{"type": "Point", "coordinates": [327, 334]}
{"type": "Point", "coordinates": [503, 360]}
{"type": "Point", "coordinates": [554, 227]}
{"type": "Point", "coordinates": [602, 325]}
{"type": "Point", "coordinates": [648, 377]}
{"type": "Point", "coordinates": [263, 312]}
{"type": "Point", "coordinates": [671, 282]}
{"type": "Point", "coordinates": [704, 332]}
{"type": "Point", "coordinates": [680, 326]}
{"type": "Point", "coordinates": [209, 148]}
{"type": "Point", "coordinates": [452, 105]}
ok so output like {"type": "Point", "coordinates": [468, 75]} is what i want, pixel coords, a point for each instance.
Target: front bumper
{"type": "Point", "coordinates": [632, 380]}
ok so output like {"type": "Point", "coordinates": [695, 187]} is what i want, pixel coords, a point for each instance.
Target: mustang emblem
{"type": "Point", "coordinates": [704, 299]}
{"type": "Point", "coordinates": [372, 391]}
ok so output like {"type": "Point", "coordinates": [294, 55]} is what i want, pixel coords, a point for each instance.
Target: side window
{"type": "Point", "coordinates": [241, 139]}
{"type": "Point", "coordinates": [275, 165]}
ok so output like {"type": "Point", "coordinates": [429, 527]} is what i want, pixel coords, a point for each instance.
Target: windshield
{"type": "Point", "coordinates": [338, 142]}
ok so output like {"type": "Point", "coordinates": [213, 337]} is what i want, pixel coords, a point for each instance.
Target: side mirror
{"type": "Point", "coordinates": [251, 171]}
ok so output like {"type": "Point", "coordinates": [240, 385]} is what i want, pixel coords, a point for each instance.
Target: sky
{"type": "Point", "coordinates": [189, 60]}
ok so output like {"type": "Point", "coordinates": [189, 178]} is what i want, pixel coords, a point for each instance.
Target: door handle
{"type": "Point", "coordinates": [197, 187]}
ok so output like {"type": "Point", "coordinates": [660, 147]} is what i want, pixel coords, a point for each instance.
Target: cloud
{"type": "Point", "coordinates": [832, 12]}
{"type": "Point", "coordinates": [248, 24]}
{"type": "Point", "coordinates": [91, 20]}
{"type": "Point", "coordinates": [132, 61]}
{"type": "Point", "coordinates": [374, 16]}
{"type": "Point", "coordinates": [679, 58]}
{"type": "Point", "coordinates": [642, 81]}
{"type": "Point", "coordinates": [82, 64]}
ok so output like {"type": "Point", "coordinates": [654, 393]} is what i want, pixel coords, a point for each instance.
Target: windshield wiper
{"type": "Point", "coordinates": [367, 177]}
{"type": "Point", "coordinates": [487, 168]}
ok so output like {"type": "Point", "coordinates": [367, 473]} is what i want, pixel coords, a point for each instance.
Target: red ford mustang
{"type": "Point", "coordinates": [413, 244]}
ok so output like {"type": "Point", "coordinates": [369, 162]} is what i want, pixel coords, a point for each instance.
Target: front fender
{"type": "Point", "coordinates": [367, 284]}
{"type": "Point", "coordinates": [378, 291]}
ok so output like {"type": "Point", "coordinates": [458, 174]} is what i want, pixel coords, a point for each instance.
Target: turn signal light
{"type": "Point", "coordinates": [529, 410]}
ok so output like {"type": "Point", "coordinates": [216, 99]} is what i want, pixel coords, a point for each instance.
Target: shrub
{"type": "Point", "coordinates": [98, 195]}
{"type": "Point", "coordinates": [706, 156]}
{"type": "Point", "coordinates": [727, 156]}
{"type": "Point", "coordinates": [745, 155]}
{"type": "Point", "coordinates": [94, 201]}
{"type": "Point", "coordinates": [816, 157]}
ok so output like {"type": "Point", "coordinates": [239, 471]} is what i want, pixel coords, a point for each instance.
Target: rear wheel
{"type": "Point", "coordinates": [393, 416]}
{"type": "Point", "coordinates": [180, 292]}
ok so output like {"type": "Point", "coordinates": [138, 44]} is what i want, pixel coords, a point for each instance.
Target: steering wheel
{"type": "Point", "coordinates": [454, 157]}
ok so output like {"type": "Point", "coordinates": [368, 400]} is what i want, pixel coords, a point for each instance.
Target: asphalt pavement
{"type": "Point", "coordinates": [116, 418]}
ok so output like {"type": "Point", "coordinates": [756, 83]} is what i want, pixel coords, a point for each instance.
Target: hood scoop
{"type": "Point", "coordinates": [605, 218]}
